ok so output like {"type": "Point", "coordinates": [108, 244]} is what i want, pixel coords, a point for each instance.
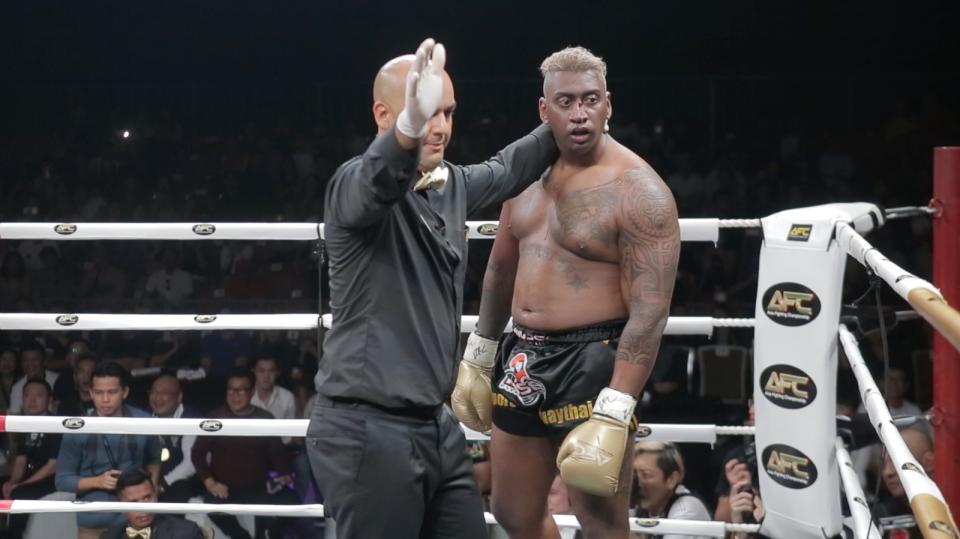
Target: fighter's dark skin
{"type": "Point", "coordinates": [596, 240]}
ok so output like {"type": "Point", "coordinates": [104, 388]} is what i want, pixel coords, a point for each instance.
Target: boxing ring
{"type": "Point", "coordinates": [797, 326]}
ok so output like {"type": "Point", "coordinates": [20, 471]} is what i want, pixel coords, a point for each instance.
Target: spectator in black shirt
{"type": "Point", "coordinates": [72, 392]}
{"type": "Point", "coordinates": [33, 360]}
{"type": "Point", "coordinates": [9, 359]}
{"type": "Point", "coordinates": [136, 486]}
{"type": "Point", "coordinates": [746, 506]}
{"type": "Point", "coordinates": [739, 464]}
{"type": "Point", "coordinates": [36, 458]}
{"type": "Point", "coordinates": [177, 475]}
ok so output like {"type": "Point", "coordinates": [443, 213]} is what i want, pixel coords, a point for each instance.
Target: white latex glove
{"type": "Point", "coordinates": [424, 89]}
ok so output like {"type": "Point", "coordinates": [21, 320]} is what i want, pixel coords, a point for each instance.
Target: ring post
{"type": "Point", "coordinates": [946, 359]}
{"type": "Point", "coordinates": [795, 365]}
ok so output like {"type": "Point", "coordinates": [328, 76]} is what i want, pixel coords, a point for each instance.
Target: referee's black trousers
{"type": "Point", "coordinates": [396, 474]}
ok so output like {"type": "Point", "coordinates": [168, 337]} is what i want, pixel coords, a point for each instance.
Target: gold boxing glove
{"type": "Point", "coordinates": [471, 399]}
{"type": "Point", "coordinates": [591, 456]}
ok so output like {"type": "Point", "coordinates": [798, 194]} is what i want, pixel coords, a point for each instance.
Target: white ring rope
{"type": "Point", "coordinates": [863, 526]}
{"type": "Point", "coordinates": [291, 427]}
{"type": "Point", "coordinates": [161, 231]}
{"type": "Point", "coordinates": [165, 426]}
{"type": "Point", "coordinates": [676, 325]}
{"type": "Point", "coordinates": [59, 506]}
{"type": "Point", "coordinates": [901, 280]}
{"type": "Point", "coordinates": [181, 374]}
{"type": "Point", "coordinates": [707, 230]}
{"type": "Point", "coordinates": [911, 473]}
{"type": "Point", "coordinates": [739, 223]}
{"type": "Point", "coordinates": [664, 432]}
{"type": "Point", "coordinates": [920, 294]}
{"type": "Point", "coordinates": [155, 322]}
{"type": "Point", "coordinates": [641, 525]}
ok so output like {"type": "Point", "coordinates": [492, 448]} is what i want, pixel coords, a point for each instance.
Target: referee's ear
{"type": "Point", "coordinates": [383, 116]}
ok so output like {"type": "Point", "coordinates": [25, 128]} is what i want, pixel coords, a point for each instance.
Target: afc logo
{"type": "Point", "coordinates": [784, 383]}
{"type": "Point", "coordinates": [204, 229]}
{"type": "Point", "coordinates": [790, 304]}
{"type": "Point", "coordinates": [211, 425]}
{"type": "Point", "coordinates": [65, 229]}
{"type": "Point", "coordinates": [488, 229]}
{"type": "Point", "coordinates": [73, 423]}
{"type": "Point", "coordinates": [799, 233]}
{"type": "Point", "coordinates": [67, 319]}
{"type": "Point", "coordinates": [788, 464]}
{"type": "Point", "coordinates": [783, 301]}
{"type": "Point", "coordinates": [787, 386]}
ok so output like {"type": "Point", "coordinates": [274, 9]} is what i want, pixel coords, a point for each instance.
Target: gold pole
{"type": "Point", "coordinates": [933, 518]}
{"type": "Point", "coordinates": [935, 310]}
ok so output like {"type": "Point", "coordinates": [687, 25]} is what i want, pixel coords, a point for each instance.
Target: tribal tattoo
{"type": "Point", "coordinates": [649, 245]}
{"type": "Point", "coordinates": [574, 280]}
{"type": "Point", "coordinates": [589, 214]}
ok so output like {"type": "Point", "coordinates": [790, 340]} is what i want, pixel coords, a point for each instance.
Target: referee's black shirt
{"type": "Point", "coordinates": [397, 266]}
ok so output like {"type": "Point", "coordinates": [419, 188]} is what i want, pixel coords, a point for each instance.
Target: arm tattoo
{"type": "Point", "coordinates": [649, 245]}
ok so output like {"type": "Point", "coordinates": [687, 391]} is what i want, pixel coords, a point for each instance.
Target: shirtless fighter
{"type": "Point", "coordinates": [587, 259]}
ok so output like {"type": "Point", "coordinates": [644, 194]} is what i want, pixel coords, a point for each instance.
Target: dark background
{"type": "Point", "coordinates": [298, 41]}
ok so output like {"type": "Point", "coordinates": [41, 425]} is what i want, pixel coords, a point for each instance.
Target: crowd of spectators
{"type": "Point", "coordinates": [271, 165]}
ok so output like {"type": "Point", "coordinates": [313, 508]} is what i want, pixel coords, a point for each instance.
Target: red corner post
{"type": "Point", "coordinates": [946, 359]}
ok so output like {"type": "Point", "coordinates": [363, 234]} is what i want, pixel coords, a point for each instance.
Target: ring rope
{"type": "Point", "coordinates": [925, 498]}
{"type": "Point", "coordinates": [291, 427]}
{"type": "Point", "coordinates": [856, 499]}
{"type": "Point", "coordinates": [187, 375]}
{"type": "Point", "coordinates": [641, 525]}
{"type": "Point", "coordinates": [60, 506]}
{"type": "Point", "coordinates": [676, 325]}
{"type": "Point", "coordinates": [739, 223]}
{"type": "Point", "coordinates": [699, 229]}
{"type": "Point", "coordinates": [161, 231]}
{"type": "Point", "coordinates": [921, 294]}
{"type": "Point", "coordinates": [904, 212]}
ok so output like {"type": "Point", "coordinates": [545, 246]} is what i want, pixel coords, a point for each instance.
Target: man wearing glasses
{"type": "Point", "coordinates": [239, 467]}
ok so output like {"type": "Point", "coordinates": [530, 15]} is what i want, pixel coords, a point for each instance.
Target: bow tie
{"type": "Point", "coordinates": [142, 532]}
{"type": "Point", "coordinates": [434, 179]}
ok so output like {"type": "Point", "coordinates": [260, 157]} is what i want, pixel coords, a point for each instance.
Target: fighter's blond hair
{"type": "Point", "coordinates": [575, 59]}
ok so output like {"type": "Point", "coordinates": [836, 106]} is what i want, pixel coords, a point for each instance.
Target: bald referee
{"type": "Point", "coordinates": [386, 454]}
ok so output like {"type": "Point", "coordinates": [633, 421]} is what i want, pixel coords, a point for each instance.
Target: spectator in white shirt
{"type": "Point", "coordinates": [33, 360]}
{"type": "Point", "coordinates": [658, 473]}
{"type": "Point", "coordinates": [268, 395]}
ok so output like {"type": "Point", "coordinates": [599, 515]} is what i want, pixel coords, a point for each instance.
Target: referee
{"type": "Point", "coordinates": [386, 454]}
